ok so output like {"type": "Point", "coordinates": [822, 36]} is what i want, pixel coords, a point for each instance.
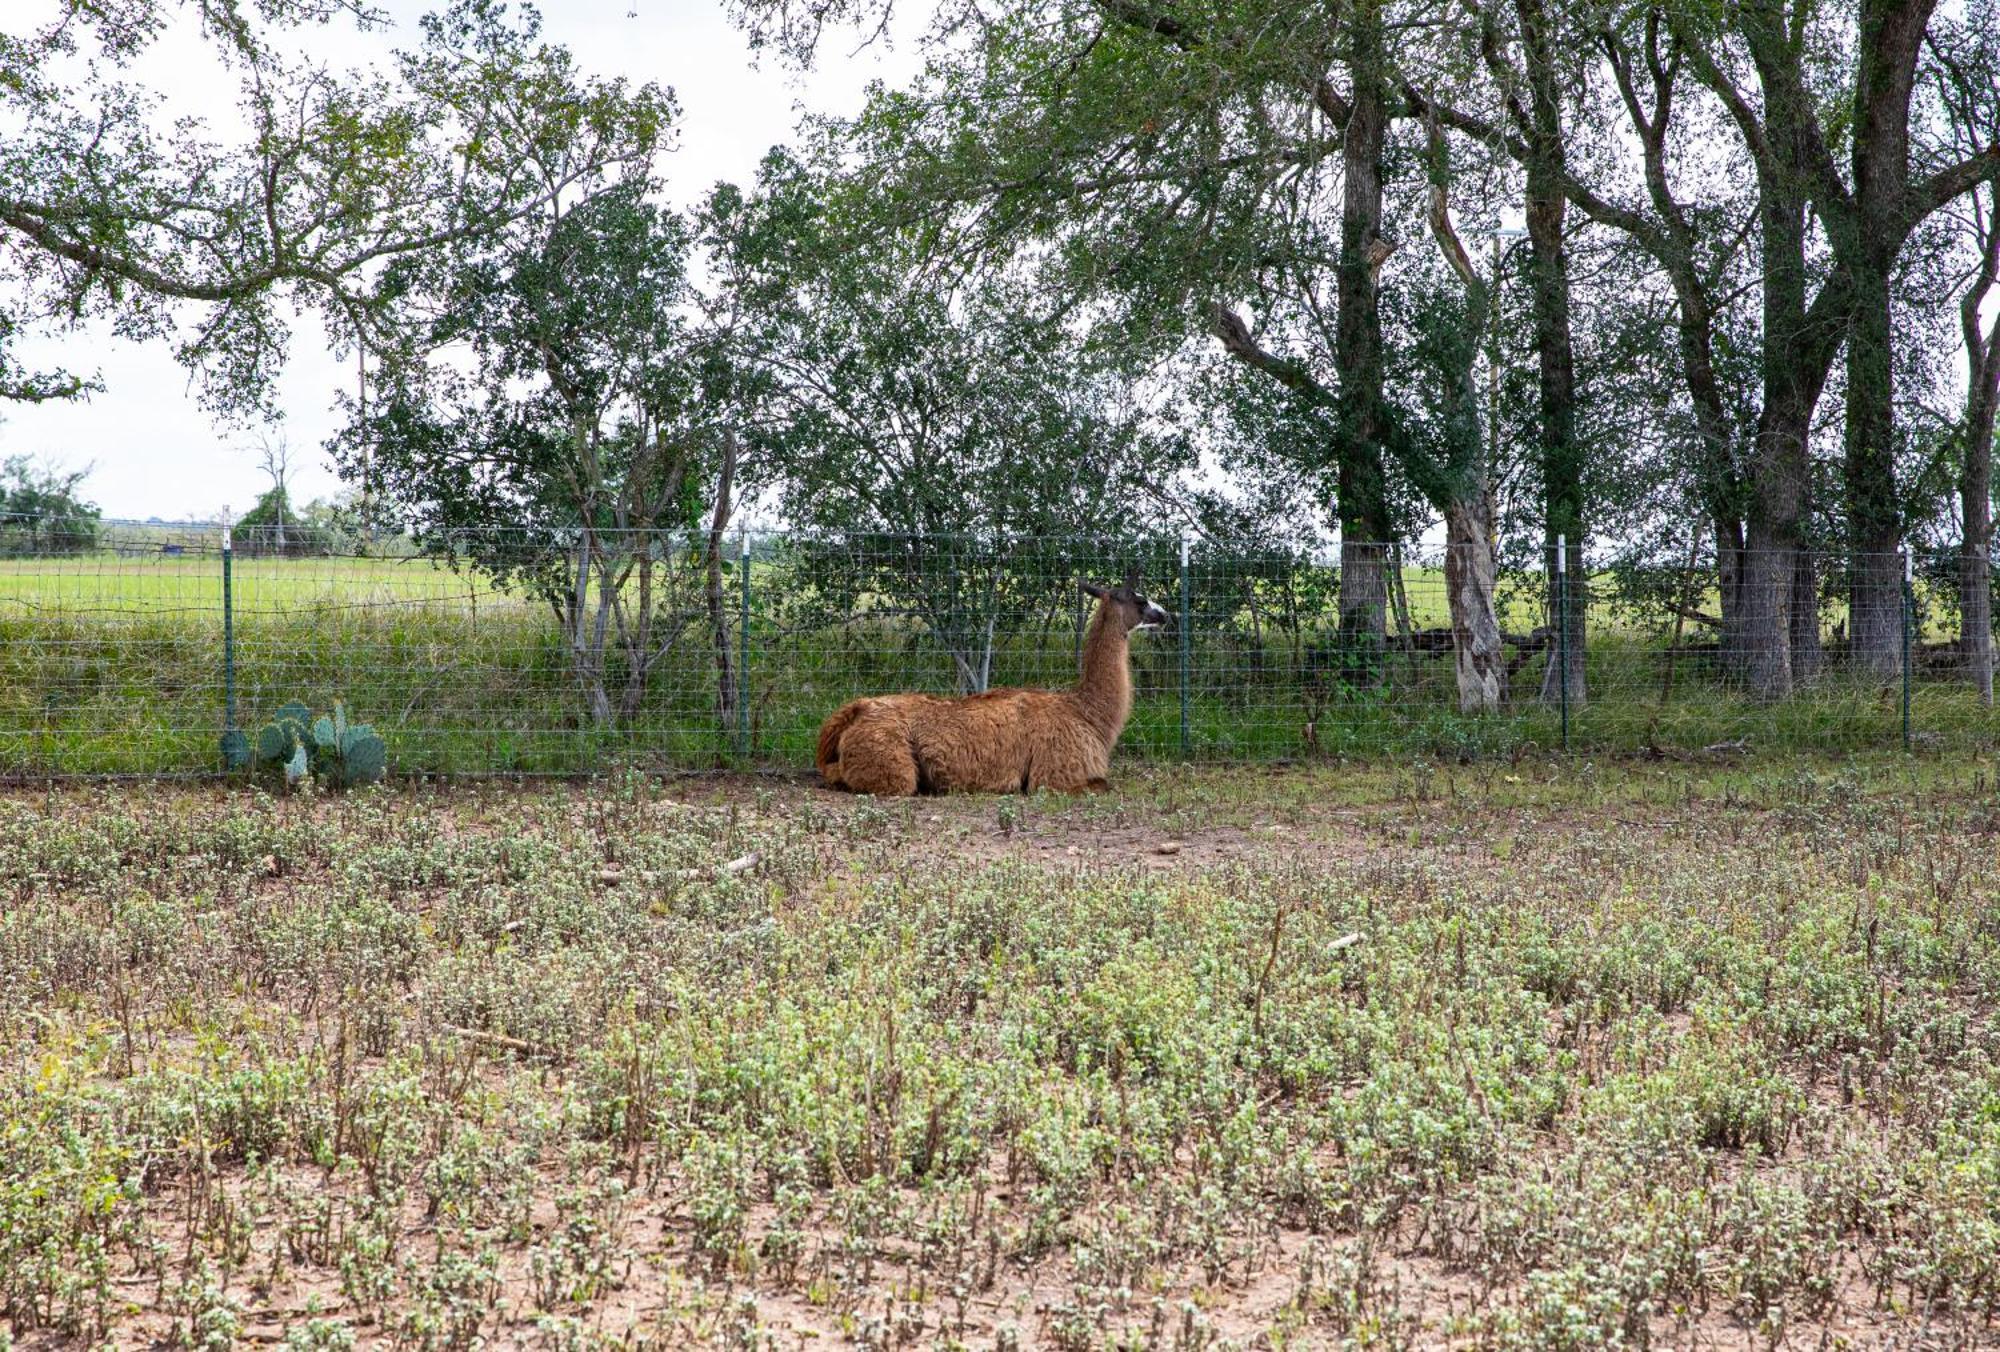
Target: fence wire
{"type": "Point", "coordinates": [131, 648]}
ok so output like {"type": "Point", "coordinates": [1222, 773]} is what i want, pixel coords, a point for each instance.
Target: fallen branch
{"type": "Point", "coordinates": [1698, 616]}
{"type": "Point", "coordinates": [512, 1044]}
{"type": "Point", "coordinates": [612, 876]}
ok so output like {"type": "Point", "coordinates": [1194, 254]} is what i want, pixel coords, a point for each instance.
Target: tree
{"type": "Point", "coordinates": [935, 446]}
{"type": "Point", "coordinates": [41, 511]}
{"type": "Point", "coordinates": [1867, 217]}
{"type": "Point", "coordinates": [1174, 160]}
{"type": "Point", "coordinates": [105, 213]}
{"type": "Point", "coordinates": [1166, 165]}
{"type": "Point", "coordinates": [572, 454]}
{"type": "Point", "coordinates": [1451, 464]}
{"type": "Point", "coordinates": [274, 457]}
{"type": "Point", "coordinates": [1969, 79]}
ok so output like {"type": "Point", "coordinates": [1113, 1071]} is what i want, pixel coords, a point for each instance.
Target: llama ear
{"type": "Point", "coordinates": [1092, 589]}
{"type": "Point", "coordinates": [1131, 579]}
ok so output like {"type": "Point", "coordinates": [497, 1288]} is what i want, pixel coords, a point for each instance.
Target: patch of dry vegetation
{"type": "Point", "coordinates": [1619, 1056]}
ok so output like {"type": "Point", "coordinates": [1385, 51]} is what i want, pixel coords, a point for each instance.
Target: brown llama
{"type": "Point", "coordinates": [1002, 741]}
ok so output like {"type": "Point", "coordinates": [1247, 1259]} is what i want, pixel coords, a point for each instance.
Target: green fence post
{"type": "Point", "coordinates": [1909, 620]}
{"type": "Point", "coordinates": [1562, 633]}
{"type": "Point", "coordinates": [235, 747]}
{"type": "Point", "coordinates": [743, 648]}
{"type": "Point", "coordinates": [1187, 640]}
{"type": "Point", "coordinates": [228, 632]}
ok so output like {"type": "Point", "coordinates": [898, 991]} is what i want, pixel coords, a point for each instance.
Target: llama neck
{"type": "Point", "coordinates": [1104, 693]}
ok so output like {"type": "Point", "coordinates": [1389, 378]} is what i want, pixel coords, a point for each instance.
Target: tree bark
{"type": "Point", "coordinates": [1471, 576]}
{"type": "Point", "coordinates": [1729, 551]}
{"type": "Point", "coordinates": [1461, 486]}
{"type": "Point", "coordinates": [1867, 230]}
{"type": "Point", "coordinates": [718, 616]}
{"type": "Point", "coordinates": [1975, 471]}
{"type": "Point", "coordinates": [1808, 656]}
{"type": "Point", "coordinates": [1868, 479]}
{"type": "Point", "coordinates": [1766, 660]}
{"type": "Point", "coordinates": [1975, 586]}
{"type": "Point", "coordinates": [1364, 513]}
{"type": "Point", "coordinates": [1548, 270]}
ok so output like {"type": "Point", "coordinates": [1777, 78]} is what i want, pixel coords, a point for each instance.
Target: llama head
{"type": "Point", "coordinates": [1126, 606]}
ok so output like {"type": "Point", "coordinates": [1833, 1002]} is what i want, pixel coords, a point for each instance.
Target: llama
{"type": "Point", "coordinates": [1002, 741]}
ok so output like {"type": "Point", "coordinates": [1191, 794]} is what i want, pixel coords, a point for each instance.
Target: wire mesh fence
{"type": "Point", "coordinates": [132, 648]}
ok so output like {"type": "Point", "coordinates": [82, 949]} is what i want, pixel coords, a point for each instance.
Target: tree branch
{"type": "Point", "coordinates": [1237, 340]}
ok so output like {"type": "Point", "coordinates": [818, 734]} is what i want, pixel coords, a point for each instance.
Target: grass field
{"type": "Point", "coordinates": [1523, 1055]}
{"type": "Point", "coordinates": [114, 665]}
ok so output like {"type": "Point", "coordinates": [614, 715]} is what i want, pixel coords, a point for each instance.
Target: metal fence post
{"type": "Point", "coordinates": [743, 646]}
{"type": "Point", "coordinates": [1909, 620]}
{"type": "Point", "coordinates": [228, 633]}
{"type": "Point", "coordinates": [1187, 640]}
{"type": "Point", "coordinates": [1562, 633]}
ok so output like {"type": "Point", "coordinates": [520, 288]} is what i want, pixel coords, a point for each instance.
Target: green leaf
{"type": "Point", "coordinates": [324, 737]}
{"type": "Point", "coordinates": [295, 768]}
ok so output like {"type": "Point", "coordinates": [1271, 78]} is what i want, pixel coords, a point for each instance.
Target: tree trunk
{"type": "Point", "coordinates": [638, 632]}
{"type": "Point", "coordinates": [1868, 472]}
{"type": "Point", "coordinates": [1867, 228]}
{"type": "Point", "coordinates": [1471, 576]}
{"type": "Point", "coordinates": [1808, 657]}
{"type": "Point", "coordinates": [1975, 497]}
{"type": "Point", "coordinates": [595, 643]}
{"type": "Point", "coordinates": [1729, 552]}
{"type": "Point", "coordinates": [1364, 512]}
{"type": "Point", "coordinates": [1766, 660]}
{"type": "Point", "coordinates": [1975, 585]}
{"type": "Point", "coordinates": [1975, 468]}
{"type": "Point", "coordinates": [1717, 478]}
{"type": "Point", "coordinates": [1796, 357]}
{"type": "Point", "coordinates": [718, 617]}
{"type": "Point", "coordinates": [1548, 270]}
{"type": "Point", "coordinates": [584, 630]}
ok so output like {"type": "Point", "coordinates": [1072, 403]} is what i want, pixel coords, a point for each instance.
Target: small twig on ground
{"type": "Point", "coordinates": [512, 1044]}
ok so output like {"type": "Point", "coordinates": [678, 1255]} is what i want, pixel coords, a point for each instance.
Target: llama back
{"type": "Point", "coordinates": [827, 757]}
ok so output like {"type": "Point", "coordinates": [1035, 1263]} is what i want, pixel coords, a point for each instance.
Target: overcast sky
{"type": "Point", "coordinates": [154, 452]}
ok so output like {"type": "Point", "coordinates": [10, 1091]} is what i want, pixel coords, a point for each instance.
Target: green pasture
{"type": "Point", "coordinates": [115, 664]}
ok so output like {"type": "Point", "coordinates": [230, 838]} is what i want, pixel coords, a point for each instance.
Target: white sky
{"type": "Point", "coordinates": [154, 452]}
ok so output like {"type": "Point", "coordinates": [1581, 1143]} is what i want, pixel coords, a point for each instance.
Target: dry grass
{"type": "Point", "coordinates": [1622, 1055]}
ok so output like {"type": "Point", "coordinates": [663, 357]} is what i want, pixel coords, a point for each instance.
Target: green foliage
{"type": "Point", "coordinates": [329, 750]}
{"type": "Point", "coordinates": [40, 510]}
{"type": "Point", "coordinates": [960, 455]}
{"type": "Point", "coordinates": [595, 412]}
{"type": "Point", "coordinates": [276, 525]}
{"type": "Point", "coordinates": [341, 183]}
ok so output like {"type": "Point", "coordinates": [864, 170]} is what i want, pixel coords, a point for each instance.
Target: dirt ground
{"type": "Point", "coordinates": [284, 1241]}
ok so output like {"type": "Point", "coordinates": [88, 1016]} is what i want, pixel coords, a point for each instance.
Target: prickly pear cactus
{"type": "Point", "coordinates": [364, 756]}
{"type": "Point", "coordinates": [327, 750]}
{"type": "Point", "coordinates": [274, 744]}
